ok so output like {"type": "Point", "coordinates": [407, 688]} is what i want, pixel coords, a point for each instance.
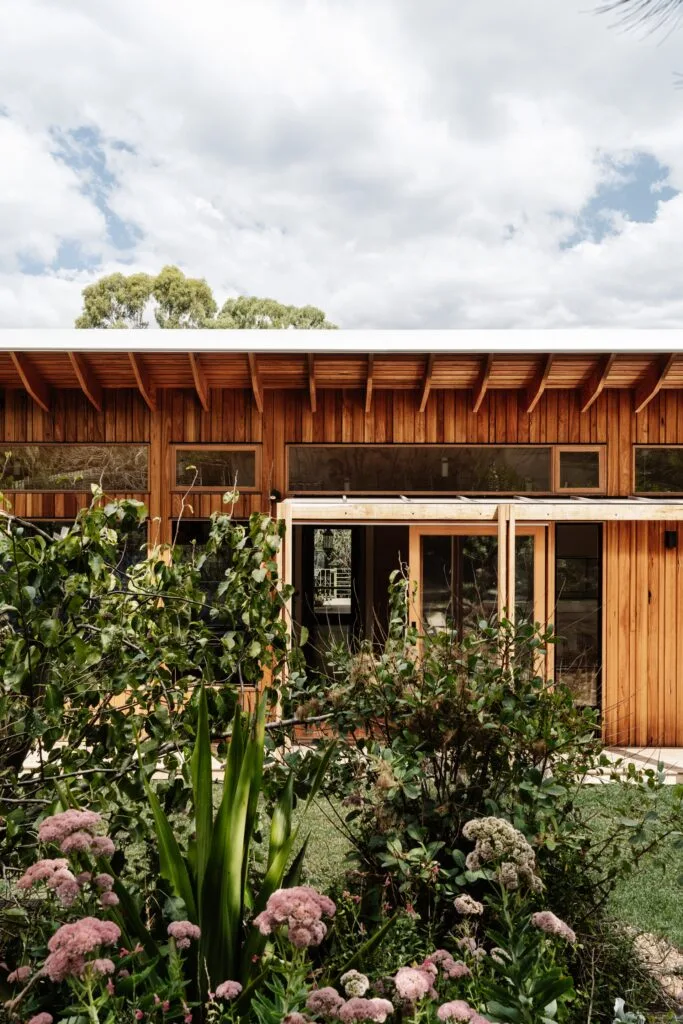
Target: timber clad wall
{"type": "Point", "coordinates": [643, 599]}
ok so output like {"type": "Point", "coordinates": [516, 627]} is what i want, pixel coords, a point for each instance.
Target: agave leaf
{"type": "Point", "coordinates": [171, 860]}
{"type": "Point", "coordinates": [202, 785]}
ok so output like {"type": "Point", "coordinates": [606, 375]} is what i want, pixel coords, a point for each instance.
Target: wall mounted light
{"type": "Point", "coordinates": [275, 495]}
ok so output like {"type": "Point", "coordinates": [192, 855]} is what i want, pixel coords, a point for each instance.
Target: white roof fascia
{"type": "Point", "coordinates": [587, 341]}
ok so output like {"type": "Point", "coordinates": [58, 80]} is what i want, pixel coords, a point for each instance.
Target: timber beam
{"type": "Point", "coordinates": [427, 382]}
{"type": "Point", "coordinates": [312, 391]}
{"type": "Point", "coordinates": [537, 387]}
{"type": "Point", "coordinates": [255, 381]}
{"type": "Point", "coordinates": [31, 380]}
{"type": "Point", "coordinates": [369, 382]}
{"type": "Point", "coordinates": [595, 384]}
{"type": "Point", "coordinates": [200, 383]}
{"type": "Point", "coordinates": [89, 384]}
{"type": "Point", "coordinates": [482, 383]}
{"type": "Point", "coordinates": [652, 382]}
{"type": "Point", "coordinates": [143, 381]}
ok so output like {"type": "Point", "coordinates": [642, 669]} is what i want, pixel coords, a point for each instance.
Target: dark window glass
{"type": "Point", "coordinates": [579, 470]}
{"type": "Point", "coordinates": [74, 467]}
{"type": "Point", "coordinates": [460, 580]}
{"type": "Point", "coordinates": [215, 467]}
{"type": "Point", "coordinates": [191, 535]}
{"type": "Point", "coordinates": [406, 469]}
{"type": "Point", "coordinates": [578, 595]}
{"type": "Point", "coordinates": [659, 470]}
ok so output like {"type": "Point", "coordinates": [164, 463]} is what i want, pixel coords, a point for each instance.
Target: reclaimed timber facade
{"type": "Point", "coordinates": [272, 401]}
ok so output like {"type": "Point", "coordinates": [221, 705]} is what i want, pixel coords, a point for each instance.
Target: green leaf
{"type": "Point", "coordinates": [202, 784]}
{"type": "Point", "coordinates": [171, 860]}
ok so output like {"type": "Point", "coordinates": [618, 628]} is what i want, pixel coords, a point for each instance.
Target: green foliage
{"type": "Point", "coordinates": [180, 301]}
{"type": "Point", "coordinates": [214, 879]}
{"type": "Point", "coordinates": [96, 648]}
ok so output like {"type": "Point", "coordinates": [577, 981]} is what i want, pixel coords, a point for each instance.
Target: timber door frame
{"type": "Point", "coordinates": [506, 530]}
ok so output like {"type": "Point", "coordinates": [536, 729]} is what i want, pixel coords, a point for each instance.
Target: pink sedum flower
{"type": "Point", "coordinates": [70, 945]}
{"type": "Point", "coordinates": [447, 964]}
{"type": "Point", "coordinates": [458, 1009]}
{"type": "Point", "coordinates": [357, 1009]}
{"type": "Point", "coordinates": [42, 871]}
{"type": "Point", "coordinates": [19, 975]}
{"type": "Point", "coordinates": [103, 882]}
{"type": "Point", "coordinates": [547, 922]}
{"type": "Point", "coordinates": [294, 1018]}
{"type": "Point", "coordinates": [184, 932]}
{"type": "Point", "coordinates": [468, 907]}
{"type": "Point", "coordinates": [41, 1018]}
{"type": "Point", "coordinates": [413, 983]}
{"type": "Point", "coordinates": [301, 910]}
{"type": "Point", "coordinates": [324, 1001]}
{"type": "Point", "coordinates": [57, 827]}
{"type": "Point", "coordinates": [228, 990]}
{"type": "Point", "coordinates": [102, 966]}
{"type": "Point", "coordinates": [109, 899]}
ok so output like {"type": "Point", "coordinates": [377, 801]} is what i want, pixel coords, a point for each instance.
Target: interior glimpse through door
{"type": "Point", "coordinates": [456, 571]}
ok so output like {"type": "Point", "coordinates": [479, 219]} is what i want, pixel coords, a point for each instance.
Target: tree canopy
{"type": "Point", "coordinates": [178, 301]}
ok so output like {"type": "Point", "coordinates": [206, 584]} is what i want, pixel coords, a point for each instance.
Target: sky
{"type": "Point", "coordinates": [399, 163]}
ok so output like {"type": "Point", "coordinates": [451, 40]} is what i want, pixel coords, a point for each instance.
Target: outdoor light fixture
{"type": "Point", "coordinates": [275, 495]}
{"type": "Point", "coordinates": [671, 539]}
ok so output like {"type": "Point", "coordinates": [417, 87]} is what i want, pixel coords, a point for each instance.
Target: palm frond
{"type": "Point", "coordinates": [655, 14]}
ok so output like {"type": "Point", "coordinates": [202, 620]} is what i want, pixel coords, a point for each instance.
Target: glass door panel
{"type": "Point", "coordinates": [457, 568]}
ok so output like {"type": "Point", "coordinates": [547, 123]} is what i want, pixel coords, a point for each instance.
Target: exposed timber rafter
{"type": "Point", "coordinates": [652, 382]}
{"type": "Point", "coordinates": [143, 381]}
{"type": "Point", "coordinates": [369, 382]}
{"type": "Point", "coordinates": [200, 384]}
{"type": "Point", "coordinates": [255, 381]}
{"type": "Point", "coordinates": [89, 384]}
{"type": "Point", "coordinates": [312, 392]}
{"type": "Point", "coordinates": [595, 384]}
{"type": "Point", "coordinates": [32, 381]}
{"type": "Point", "coordinates": [537, 387]}
{"type": "Point", "coordinates": [483, 383]}
{"type": "Point", "coordinates": [427, 382]}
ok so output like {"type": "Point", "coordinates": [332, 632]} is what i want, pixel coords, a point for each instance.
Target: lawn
{"type": "Point", "coordinates": [650, 900]}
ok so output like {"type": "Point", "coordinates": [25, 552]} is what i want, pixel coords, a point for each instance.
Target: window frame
{"type": "Point", "coordinates": [558, 449]}
{"type": "Point", "coordinates": [652, 494]}
{"type": "Point", "coordinates": [85, 487]}
{"type": "Point", "coordinates": [552, 448]}
{"type": "Point", "coordinates": [177, 488]}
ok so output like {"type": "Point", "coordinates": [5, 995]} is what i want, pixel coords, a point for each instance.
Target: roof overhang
{"type": "Point", "coordinates": [282, 342]}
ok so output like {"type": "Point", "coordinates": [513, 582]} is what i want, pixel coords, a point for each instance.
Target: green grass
{"type": "Point", "coordinates": [650, 899]}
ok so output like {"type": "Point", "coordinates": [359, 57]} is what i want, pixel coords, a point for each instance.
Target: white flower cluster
{"type": "Point", "coordinates": [499, 843]}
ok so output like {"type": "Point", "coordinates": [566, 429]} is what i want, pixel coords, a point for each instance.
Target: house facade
{"type": "Point", "coordinates": [537, 474]}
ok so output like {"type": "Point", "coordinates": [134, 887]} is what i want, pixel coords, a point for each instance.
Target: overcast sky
{"type": "Point", "coordinates": [400, 163]}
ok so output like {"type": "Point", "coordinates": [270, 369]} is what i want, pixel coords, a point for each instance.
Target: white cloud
{"type": "Point", "coordinates": [398, 164]}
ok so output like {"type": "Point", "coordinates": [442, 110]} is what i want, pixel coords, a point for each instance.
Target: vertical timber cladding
{"type": "Point", "coordinates": [643, 599]}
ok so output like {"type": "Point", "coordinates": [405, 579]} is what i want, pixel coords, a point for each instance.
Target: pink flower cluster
{"type": "Point", "coordinates": [324, 1001]}
{"type": "Point", "coordinates": [449, 966]}
{"type": "Point", "coordinates": [70, 945]}
{"type": "Point", "coordinates": [56, 875]}
{"type": "Point", "coordinates": [459, 1010]}
{"type": "Point", "coordinates": [301, 909]}
{"type": "Point", "coordinates": [467, 906]}
{"type": "Point", "coordinates": [547, 922]}
{"type": "Point", "coordinates": [357, 1009]}
{"type": "Point", "coordinates": [74, 831]}
{"type": "Point", "coordinates": [413, 983]}
{"type": "Point", "coordinates": [67, 886]}
{"type": "Point", "coordinates": [228, 990]}
{"type": "Point", "coordinates": [41, 1018]}
{"type": "Point", "coordinates": [183, 932]}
